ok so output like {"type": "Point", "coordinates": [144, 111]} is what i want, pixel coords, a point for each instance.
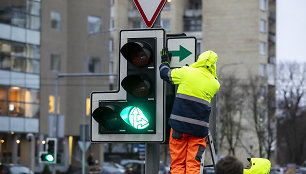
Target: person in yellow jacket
{"type": "Point", "coordinates": [258, 166]}
{"type": "Point", "coordinates": [189, 119]}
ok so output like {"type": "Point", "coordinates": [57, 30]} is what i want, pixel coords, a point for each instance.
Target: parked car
{"type": "Point", "coordinates": [167, 167]}
{"type": "Point", "coordinates": [277, 170]}
{"type": "Point", "coordinates": [14, 169]}
{"type": "Point", "coordinates": [138, 167]}
{"type": "Point", "coordinates": [208, 170]}
{"type": "Point", "coordinates": [302, 168]}
{"type": "Point", "coordinates": [112, 168]}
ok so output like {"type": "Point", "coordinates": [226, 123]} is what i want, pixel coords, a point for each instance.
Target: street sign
{"type": "Point", "coordinates": [183, 50]}
{"type": "Point", "coordinates": [149, 10]}
{"type": "Point", "coordinates": [84, 145]}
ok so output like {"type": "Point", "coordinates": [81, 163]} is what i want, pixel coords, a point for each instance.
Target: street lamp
{"type": "Point", "coordinates": [219, 106]}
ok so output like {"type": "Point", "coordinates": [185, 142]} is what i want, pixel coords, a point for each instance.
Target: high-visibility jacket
{"type": "Point", "coordinates": [258, 166]}
{"type": "Point", "coordinates": [197, 85]}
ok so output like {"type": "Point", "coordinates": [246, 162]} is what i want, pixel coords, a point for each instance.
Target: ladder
{"type": "Point", "coordinates": [210, 145]}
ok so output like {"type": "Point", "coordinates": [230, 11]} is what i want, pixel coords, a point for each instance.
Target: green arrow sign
{"type": "Point", "coordinates": [182, 53]}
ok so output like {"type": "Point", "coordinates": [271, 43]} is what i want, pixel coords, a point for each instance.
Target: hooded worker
{"type": "Point", "coordinates": [258, 166]}
{"type": "Point", "coordinates": [189, 119]}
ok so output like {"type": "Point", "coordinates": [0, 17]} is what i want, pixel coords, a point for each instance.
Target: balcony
{"type": "Point", "coordinates": [272, 16]}
{"type": "Point", "coordinates": [193, 13]}
{"type": "Point", "coordinates": [272, 37]}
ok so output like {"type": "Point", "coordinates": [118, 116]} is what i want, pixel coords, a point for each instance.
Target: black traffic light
{"type": "Point", "coordinates": [133, 109]}
{"type": "Point", "coordinates": [137, 113]}
{"type": "Point", "coordinates": [50, 155]}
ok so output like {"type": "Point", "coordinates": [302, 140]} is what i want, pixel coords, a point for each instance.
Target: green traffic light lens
{"type": "Point", "coordinates": [134, 117]}
{"type": "Point", "coordinates": [49, 157]}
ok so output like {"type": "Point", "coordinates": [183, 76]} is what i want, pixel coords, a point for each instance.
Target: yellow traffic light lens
{"type": "Point", "coordinates": [134, 117]}
{"type": "Point", "coordinates": [137, 86]}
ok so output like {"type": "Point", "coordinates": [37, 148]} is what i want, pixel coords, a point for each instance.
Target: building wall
{"type": "Point", "coordinates": [70, 42]}
{"type": "Point", "coordinates": [235, 37]}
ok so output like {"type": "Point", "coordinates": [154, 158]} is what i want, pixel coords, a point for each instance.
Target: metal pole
{"type": "Point", "coordinates": [54, 130]}
{"type": "Point", "coordinates": [84, 102]}
{"type": "Point", "coordinates": [153, 149]}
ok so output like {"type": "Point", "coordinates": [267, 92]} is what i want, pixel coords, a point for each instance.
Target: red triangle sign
{"type": "Point", "coordinates": [149, 10]}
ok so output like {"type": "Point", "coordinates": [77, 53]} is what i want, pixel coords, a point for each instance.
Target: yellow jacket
{"type": "Point", "coordinates": [197, 85]}
{"type": "Point", "coordinates": [258, 166]}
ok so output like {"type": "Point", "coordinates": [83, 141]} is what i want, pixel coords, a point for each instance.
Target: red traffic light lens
{"type": "Point", "coordinates": [138, 53]}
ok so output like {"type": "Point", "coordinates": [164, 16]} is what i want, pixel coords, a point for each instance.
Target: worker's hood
{"type": "Point", "coordinates": [258, 166]}
{"type": "Point", "coordinates": [208, 60]}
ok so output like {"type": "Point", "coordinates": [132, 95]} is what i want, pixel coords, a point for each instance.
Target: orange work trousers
{"type": "Point", "coordinates": [186, 153]}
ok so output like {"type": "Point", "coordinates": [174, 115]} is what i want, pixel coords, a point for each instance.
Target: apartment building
{"type": "Point", "coordinates": [19, 80]}
{"type": "Point", "coordinates": [75, 37]}
{"type": "Point", "coordinates": [241, 32]}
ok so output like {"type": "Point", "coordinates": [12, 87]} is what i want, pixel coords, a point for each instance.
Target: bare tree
{"type": "Point", "coordinates": [231, 127]}
{"type": "Point", "coordinates": [291, 90]}
{"type": "Point", "coordinates": [260, 102]}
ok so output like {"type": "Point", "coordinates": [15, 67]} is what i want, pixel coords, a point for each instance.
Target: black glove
{"type": "Point", "coordinates": [165, 56]}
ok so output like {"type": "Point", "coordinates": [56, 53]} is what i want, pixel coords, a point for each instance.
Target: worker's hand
{"type": "Point", "coordinates": [165, 56]}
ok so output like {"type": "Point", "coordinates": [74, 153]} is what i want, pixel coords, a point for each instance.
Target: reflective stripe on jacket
{"type": "Point", "coordinates": [197, 86]}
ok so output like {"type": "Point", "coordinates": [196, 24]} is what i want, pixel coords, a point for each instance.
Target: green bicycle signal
{"type": "Point", "coordinates": [134, 117]}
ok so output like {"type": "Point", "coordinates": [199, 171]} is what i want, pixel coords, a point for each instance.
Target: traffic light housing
{"type": "Point", "coordinates": [135, 111]}
{"type": "Point", "coordinates": [50, 155]}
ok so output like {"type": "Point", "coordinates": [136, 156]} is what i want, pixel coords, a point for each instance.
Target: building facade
{"type": "Point", "coordinates": [19, 79]}
{"type": "Point", "coordinates": [74, 40]}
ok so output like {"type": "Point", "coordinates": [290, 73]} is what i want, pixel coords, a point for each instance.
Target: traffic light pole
{"type": "Point", "coordinates": [153, 149]}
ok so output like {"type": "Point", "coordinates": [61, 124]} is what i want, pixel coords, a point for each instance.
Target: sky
{"type": "Point", "coordinates": [291, 30]}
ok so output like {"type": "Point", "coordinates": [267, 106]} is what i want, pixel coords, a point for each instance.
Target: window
{"type": "Point", "coordinates": [33, 8]}
{"type": "Point", "coordinates": [271, 77]}
{"type": "Point", "coordinates": [18, 64]}
{"type": "Point", "coordinates": [56, 20]}
{"type": "Point", "coordinates": [138, 24]}
{"type": "Point", "coordinates": [5, 62]}
{"type": "Point", "coordinates": [33, 22]}
{"type": "Point", "coordinates": [262, 25]}
{"type": "Point", "coordinates": [112, 23]}
{"type": "Point", "coordinates": [18, 49]}
{"type": "Point", "coordinates": [262, 48]}
{"type": "Point", "coordinates": [32, 66]}
{"type": "Point", "coordinates": [55, 62]}
{"type": "Point", "coordinates": [19, 19]}
{"type": "Point", "coordinates": [94, 65]}
{"type": "Point", "coordinates": [199, 47]}
{"type": "Point", "coordinates": [262, 5]}
{"type": "Point", "coordinates": [262, 91]}
{"type": "Point", "coordinates": [112, 2]}
{"type": "Point", "coordinates": [111, 45]}
{"type": "Point", "coordinates": [165, 23]}
{"type": "Point", "coordinates": [192, 23]}
{"type": "Point", "coordinates": [33, 51]}
{"type": "Point", "coordinates": [3, 100]}
{"type": "Point", "coordinates": [262, 70]}
{"type": "Point", "coordinates": [94, 24]}
{"type": "Point", "coordinates": [261, 114]}
{"type": "Point", "coordinates": [195, 4]}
